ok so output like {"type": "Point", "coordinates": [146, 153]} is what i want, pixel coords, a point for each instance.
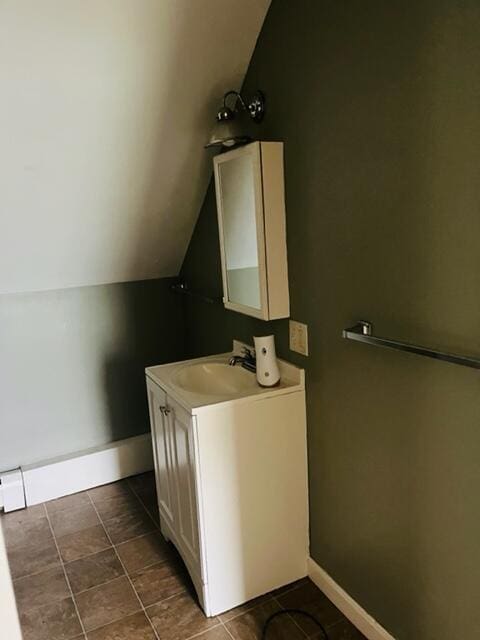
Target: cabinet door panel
{"type": "Point", "coordinates": [161, 438]}
{"type": "Point", "coordinates": [187, 524]}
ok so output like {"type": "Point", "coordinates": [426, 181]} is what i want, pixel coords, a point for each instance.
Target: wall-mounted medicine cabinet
{"type": "Point", "coordinates": [249, 184]}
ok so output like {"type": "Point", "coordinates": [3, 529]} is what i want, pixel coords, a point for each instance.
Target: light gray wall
{"type": "Point", "coordinates": [72, 361]}
{"type": "Point", "coordinates": [378, 105]}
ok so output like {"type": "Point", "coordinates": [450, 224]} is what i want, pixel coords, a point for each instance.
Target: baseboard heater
{"type": "Point", "coordinates": [12, 491]}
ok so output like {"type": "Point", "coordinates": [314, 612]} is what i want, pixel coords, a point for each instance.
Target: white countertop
{"type": "Point", "coordinates": [292, 379]}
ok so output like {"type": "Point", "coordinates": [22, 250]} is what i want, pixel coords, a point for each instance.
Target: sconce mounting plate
{"type": "Point", "coordinates": [256, 106]}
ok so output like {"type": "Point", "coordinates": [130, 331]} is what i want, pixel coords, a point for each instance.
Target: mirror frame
{"type": "Point", "coordinates": [252, 150]}
{"type": "Point", "coordinates": [270, 219]}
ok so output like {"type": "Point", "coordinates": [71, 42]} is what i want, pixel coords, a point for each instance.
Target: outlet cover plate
{"type": "Point", "coordinates": [298, 337]}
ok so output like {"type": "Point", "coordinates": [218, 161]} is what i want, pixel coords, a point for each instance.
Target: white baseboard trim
{"type": "Point", "coordinates": [364, 622]}
{"type": "Point", "coordinates": [69, 474]}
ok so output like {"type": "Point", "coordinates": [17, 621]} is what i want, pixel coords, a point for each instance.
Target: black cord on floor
{"type": "Point", "coordinates": [299, 611]}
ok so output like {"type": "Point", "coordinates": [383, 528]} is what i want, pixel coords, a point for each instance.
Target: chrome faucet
{"type": "Point", "coordinates": [247, 360]}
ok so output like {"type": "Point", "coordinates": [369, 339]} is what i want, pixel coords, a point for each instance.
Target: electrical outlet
{"type": "Point", "coordinates": [298, 337]}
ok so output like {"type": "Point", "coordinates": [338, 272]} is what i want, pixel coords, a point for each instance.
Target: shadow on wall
{"type": "Point", "coordinates": [152, 326]}
{"type": "Point", "coordinates": [71, 369]}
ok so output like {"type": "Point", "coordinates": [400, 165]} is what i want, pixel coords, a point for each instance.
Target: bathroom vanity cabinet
{"type": "Point", "coordinates": [231, 474]}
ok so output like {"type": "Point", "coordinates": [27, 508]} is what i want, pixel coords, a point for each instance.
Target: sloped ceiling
{"type": "Point", "coordinates": [105, 108]}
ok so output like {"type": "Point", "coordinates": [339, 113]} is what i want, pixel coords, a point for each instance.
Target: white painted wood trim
{"type": "Point", "coordinates": [275, 229]}
{"type": "Point", "coordinates": [347, 605]}
{"type": "Point", "coordinates": [69, 474]}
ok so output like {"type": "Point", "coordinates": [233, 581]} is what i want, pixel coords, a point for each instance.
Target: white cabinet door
{"type": "Point", "coordinates": [162, 452]}
{"type": "Point", "coordinates": [181, 425]}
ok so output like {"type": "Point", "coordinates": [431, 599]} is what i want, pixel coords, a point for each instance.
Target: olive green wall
{"type": "Point", "coordinates": [378, 104]}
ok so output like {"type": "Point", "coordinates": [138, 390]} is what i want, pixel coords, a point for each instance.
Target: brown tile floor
{"type": "Point", "coordinates": [94, 566]}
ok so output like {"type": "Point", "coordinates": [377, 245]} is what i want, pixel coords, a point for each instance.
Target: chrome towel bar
{"type": "Point", "coordinates": [362, 332]}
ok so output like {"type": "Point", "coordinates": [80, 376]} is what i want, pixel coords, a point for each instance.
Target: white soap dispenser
{"type": "Point", "coordinates": [268, 374]}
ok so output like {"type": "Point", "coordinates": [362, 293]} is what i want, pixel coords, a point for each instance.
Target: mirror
{"type": "Point", "coordinates": [251, 219]}
{"type": "Point", "coordinates": [239, 231]}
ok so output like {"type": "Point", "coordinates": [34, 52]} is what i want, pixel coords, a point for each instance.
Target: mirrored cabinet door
{"type": "Point", "coordinates": [251, 219]}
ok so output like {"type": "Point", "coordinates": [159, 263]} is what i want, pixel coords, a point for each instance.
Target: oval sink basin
{"type": "Point", "coordinates": [214, 378]}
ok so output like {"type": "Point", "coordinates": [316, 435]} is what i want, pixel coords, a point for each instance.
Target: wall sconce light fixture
{"type": "Point", "coordinates": [228, 131]}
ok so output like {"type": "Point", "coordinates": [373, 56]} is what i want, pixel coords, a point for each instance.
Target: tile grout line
{"type": "Point", "coordinates": [147, 566]}
{"type": "Point", "coordinates": [102, 626]}
{"type": "Point", "coordinates": [282, 608]}
{"type": "Point", "coordinates": [289, 588]}
{"type": "Point", "coordinates": [101, 584]}
{"type": "Point", "coordinates": [133, 494]}
{"type": "Point", "coordinates": [142, 535]}
{"type": "Point", "coordinates": [88, 555]}
{"type": "Point", "coordinates": [143, 504]}
{"type": "Point", "coordinates": [32, 575]}
{"type": "Point", "coordinates": [268, 598]}
{"type": "Point", "coordinates": [249, 609]}
{"type": "Point", "coordinates": [220, 621]}
{"type": "Point", "coordinates": [326, 626]}
{"type": "Point", "coordinates": [137, 496]}
{"type": "Point", "coordinates": [65, 573]}
{"type": "Point", "coordinates": [113, 546]}
{"type": "Point", "coordinates": [214, 626]}
{"type": "Point", "coordinates": [78, 506]}
{"type": "Point", "coordinates": [226, 628]}
{"type": "Point", "coordinates": [123, 567]}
